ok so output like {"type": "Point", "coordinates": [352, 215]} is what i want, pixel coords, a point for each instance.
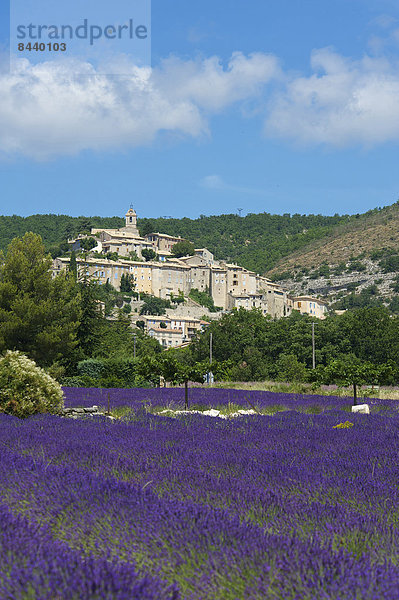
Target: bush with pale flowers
{"type": "Point", "coordinates": [26, 389]}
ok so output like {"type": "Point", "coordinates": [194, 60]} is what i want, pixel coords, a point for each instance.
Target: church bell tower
{"type": "Point", "coordinates": [131, 221]}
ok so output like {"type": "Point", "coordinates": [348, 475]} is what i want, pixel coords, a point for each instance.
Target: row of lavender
{"type": "Point", "coordinates": [283, 507]}
{"type": "Point", "coordinates": [210, 398]}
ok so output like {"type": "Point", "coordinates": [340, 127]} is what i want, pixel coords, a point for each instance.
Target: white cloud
{"type": "Point", "coordinates": [384, 21]}
{"type": "Point", "coordinates": [47, 110]}
{"type": "Point", "coordinates": [215, 182]}
{"type": "Point", "coordinates": [210, 86]}
{"type": "Point", "coordinates": [344, 102]}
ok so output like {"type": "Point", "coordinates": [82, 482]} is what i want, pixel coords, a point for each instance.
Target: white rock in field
{"type": "Point", "coordinates": [211, 413]}
{"type": "Point", "coordinates": [207, 413]}
{"type": "Point", "coordinates": [361, 408]}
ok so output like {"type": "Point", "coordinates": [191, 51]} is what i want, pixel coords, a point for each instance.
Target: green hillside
{"type": "Point", "coordinates": [259, 242]}
{"type": "Point", "coordinates": [54, 229]}
{"type": "Point", "coordinates": [256, 241]}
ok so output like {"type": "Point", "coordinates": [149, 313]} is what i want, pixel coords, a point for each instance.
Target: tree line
{"type": "Point", "coordinates": [59, 323]}
{"type": "Point", "coordinates": [256, 241]}
{"type": "Point", "coordinates": [260, 348]}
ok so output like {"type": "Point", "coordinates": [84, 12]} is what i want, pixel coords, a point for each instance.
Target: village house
{"type": "Point", "coordinates": [168, 338]}
{"type": "Point", "coordinates": [124, 240]}
{"type": "Point", "coordinates": [229, 285]}
{"type": "Point", "coordinates": [188, 326]}
{"type": "Point", "coordinates": [310, 306]}
{"type": "Point", "coordinates": [162, 242]}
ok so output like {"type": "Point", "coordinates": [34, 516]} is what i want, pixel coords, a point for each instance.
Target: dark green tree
{"type": "Point", "coordinates": [352, 371]}
{"type": "Point", "coordinates": [146, 226]}
{"type": "Point", "coordinates": [84, 224]}
{"type": "Point", "coordinates": [289, 368]}
{"type": "Point", "coordinates": [127, 283]}
{"type": "Point", "coordinates": [88, 244]}
{"type": "Point", "coordinates": [148, 254]}
{"type": "Point", "coordinates": [116, 340]}
{"type": "Point", "coordinates": [90, 317]}
{"type": "Point", "coordinates": [183, 248]}
{"type": "Point", "coordinates": [175, 367]}
{"type": "Point", "coordinates": [73, 267]}
{"type": "Point", "coordinates": [39, 315]}
{"type": "Point", "coordinates": [179, 299]}
{"type": "Point", "coordinates": [242, 337]}
{"type": "Point", "coordinates": [204, 298]}
{"type": "Point", "coordinates": [154, 306]}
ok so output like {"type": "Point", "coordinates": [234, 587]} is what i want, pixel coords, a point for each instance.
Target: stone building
{"type": "Point", "coordinates": [229, 285]}
{"type": "Point", "coordinates": [240, 280]}
{"type": "Point", "coordinates": [188, 326]}
{"type": "Point", "coordinates": [163, 242]}
{"type": "Point", "coordinates": [168, 338]}
{"type": "Point", "coordinates": [103, 270]}
{"type": "Point", "coordinates": [170, 277]}
{"type": "Point", "coordinates": [124, 240]}
{"type": "Point", "coordinates": [310, 306]}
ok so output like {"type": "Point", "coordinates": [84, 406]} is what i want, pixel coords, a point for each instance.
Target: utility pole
{"type": "Point", "coordinates": [313, 348]}
{"type": "Point", "coordinates": [210, 374]}
{"type": "Point", "coordinates": [134, 345]}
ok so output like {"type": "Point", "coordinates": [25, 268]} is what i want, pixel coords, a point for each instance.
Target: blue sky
{"type": "Point", "coordinates": [279, 106]}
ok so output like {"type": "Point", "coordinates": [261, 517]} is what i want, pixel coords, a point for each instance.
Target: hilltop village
{"type": "Point", "coordinates": [166, 276]}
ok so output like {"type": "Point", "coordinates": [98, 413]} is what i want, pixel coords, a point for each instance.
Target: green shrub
{"type": "Point", "coordinates": [289, 368]}
{"type": "Point", "coordinates": [26, 389]}
{"type": "Point", "coordinates": [390, 264]}
{"type": "Point", "coordinates": [79, 381]}
{"type": "Point", "coordinates": [111, 382]}
{"type": "Point", "coordinates": [103, 372]}
{"type": "Point", "coordinates": [91, 367]}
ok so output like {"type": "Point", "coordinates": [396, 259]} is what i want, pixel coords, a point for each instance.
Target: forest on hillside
{"type": "Point", "coordinates": [256, 241]}
{"type": "Point", "coordinates": [54, 229]}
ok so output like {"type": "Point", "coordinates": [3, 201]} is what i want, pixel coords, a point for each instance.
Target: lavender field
{"type": "Point", "coordinates": [281, 507]}
{"type": "Point", "coordinates": [205, 398]}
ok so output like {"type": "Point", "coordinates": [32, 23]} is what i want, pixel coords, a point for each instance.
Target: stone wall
{"type": "Point", "coordinates": [84, 413]}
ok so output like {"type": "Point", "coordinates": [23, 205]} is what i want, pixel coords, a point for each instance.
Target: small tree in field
{"type": "Point", "coordinates": [173, 367]}
{"type": "Point", "coordinates": [351, 371]}
{"type": "Point", "coordinates": [177, 370]}
{"type": "Point", "coordinates": [25, 389]}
